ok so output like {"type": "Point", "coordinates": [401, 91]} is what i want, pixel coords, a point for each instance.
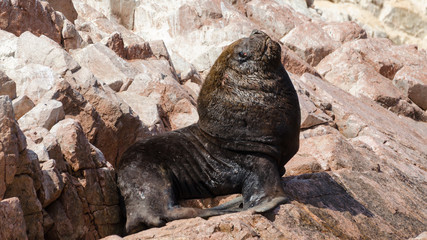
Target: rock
{"type": "Point", "coordinates": [8, 46]}
{"type": "Point", "coordinates": [412, 81]}
{"type": "Point", "coordinates": [70, 213]}
{"type": "Point", "coordinates": [117, 124]}
{"type": "Point", "coordinates": [105, 65]}
{"type": "Point", "coordinates": [310, 42]}
{"type": "Point", "coordinates": [71, 37]}
{"type": "Point", "coordinates": [35, 16]}
{"type": "Point", "coordinates": [274, 17]}
{"type": "Point", "coordinates": [52, 184]}
{"type": "Point", "coordinates": [12, 144]}
{"type": "Point", "coordinates": [147, 110]}
{"type": "Point", "coordinates": [345, 31]}
{"type": "Point", "coordinates": [368, 74]}
{"type": "Point", "coordinates": [45, 114]}
{"type": "Point", "coordinates": [115, 43]}
{"type": "Point", "coordinates": [22, 105]}
{"type": "Point", "coordinates": [66, 7]}
{"type": "Point", "coordinates": [7, 86]}
{"type": "Point", "coordinates": [33, 80]}
{"type": "Point", "coordinates": [329, 152]}
{"type": "Point", "coordinates": [44, 51]}
{"type": "Point", "coordinates": [156, 78]}
{"type": "Point", "coordinates": [422, 236]}
{"type": "Point", "coordinates": [295, 64]}
{"type": "Point", "coordinates": [12, 219]}
{"type": "Point", "coordinates": [184, 114]}
{"type": "Point", "coordinates": [96, 26]}
{"type": "Point", "coordinates": [74, 145]}
{"type": "Point", "coordinates": [404, 16]}
{"type": "Point", "coordinates": [236, 226]}
{"type": "Point", "coordinates": [45, 146]}
{"type": "Point", "coordinates": [23, 188]}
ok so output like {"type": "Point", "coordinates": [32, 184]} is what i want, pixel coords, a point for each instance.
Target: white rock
{"type": "Point", "coordinates": [44, 114]}
{"type": "Point", "coordinates": [43, 50]}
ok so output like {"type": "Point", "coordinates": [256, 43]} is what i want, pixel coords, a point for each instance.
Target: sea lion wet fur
{"type": "Point", "coordinates": [248, 129]}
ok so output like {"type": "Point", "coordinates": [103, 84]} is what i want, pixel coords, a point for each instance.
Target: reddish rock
{"type": "Point", "coordinates": [412, 81]}
{"type": "Point", "coordinates": [7, 86]}
{"type": "Point", "coordinates": [344, 31]}
{"type": "Point", "coordinates": [35, 16]}
{"type": "Point", "coordinates": [184, 114]}
{"type": "Point", "coordinates": [364, 68]}
{"type": "Point", "coordinates": [12, 144]}
{"type": "Point", "coordinates": [310, 42]}
{"type": "Point", "coordinates": [70, 213]}
{"type": "Point", "coordinates": [66, 7]}
{"type": "Point", "coordinates": [22, 105]}
{"type": "Point", "coordinates": [23, 188]}
{"type": "Point", "coordinates": [277, 19]}
{"type": "Point", "coordinates": [12, 220]}
{"type": "Point", "coordinates": [294, 64]}
{"type": "Point", "coordinates": [74, 145]}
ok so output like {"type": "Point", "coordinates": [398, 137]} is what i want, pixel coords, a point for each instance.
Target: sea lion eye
{"type": "Point", "coordinates": [243, 54]}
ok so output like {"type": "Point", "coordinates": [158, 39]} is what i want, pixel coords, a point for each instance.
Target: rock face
{"type": "Point", "coordinates": [80, 81]}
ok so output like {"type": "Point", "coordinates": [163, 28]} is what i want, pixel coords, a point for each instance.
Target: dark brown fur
{"type": "Point", "coordinates": [248, 130]}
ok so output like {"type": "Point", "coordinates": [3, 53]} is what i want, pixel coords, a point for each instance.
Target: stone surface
{"type": "Point", "coordinates": [65, 7]}
{"type": "Point", "coordinates": [22, 105]}
{"type": "Point", "coordinates": [12, 219]}
{"type": "Point", "coordinates": [74, 145]}
{"type": "Point", "coordinates": [35, 16]}
{"type": "Point", "coordinates": [310, 42]}
{"type": "Point", "coordinates": [362, 69]}
{"type": "Point", "coordinates": [45, 114]}
{"type": "Point", "coordinates": [7, 86]}
{"type": "Point", "coordinates": [11, 145]}
{"type": "Point", "coordinates": [44, 51]}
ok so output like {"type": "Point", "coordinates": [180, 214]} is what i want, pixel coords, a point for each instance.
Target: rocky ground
{"type": "Point", "coordinates": [81, 80]}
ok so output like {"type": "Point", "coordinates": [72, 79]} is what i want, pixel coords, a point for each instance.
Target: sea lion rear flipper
{"type": "Point", "coordinates": [186, 212]}
{"type": "Point", "coordinates": [234, 204]}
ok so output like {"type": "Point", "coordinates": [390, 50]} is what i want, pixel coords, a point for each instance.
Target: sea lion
{"type": "Point", "coordinates": [248, 129]}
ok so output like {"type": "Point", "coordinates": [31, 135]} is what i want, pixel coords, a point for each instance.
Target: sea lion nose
{"type": "Point", "coordinates": [257, 32]}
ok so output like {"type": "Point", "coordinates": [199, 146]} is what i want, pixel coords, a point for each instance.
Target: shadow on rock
{"type": "Point", "coordinates": [322, 191]}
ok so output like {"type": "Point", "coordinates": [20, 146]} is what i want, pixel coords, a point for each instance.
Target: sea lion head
{"type": "Point", "coordinates": [254, 53]}
{"type": "Point", "coordinates": [248, 96]}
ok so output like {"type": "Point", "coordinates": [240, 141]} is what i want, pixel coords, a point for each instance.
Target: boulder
{"type": "Point", "coordinates": [310, 42]}
{"type": "Point", "coordinates": [12, 144]}
{"type": "Point", "coordinates": [106, 65]}
{"type": "Point", "coordinates": [44, 144]}
{"type": "Point", "coordinates": [34, 16]}
{"type": "Point", "coordinates": [9, 44]}
{"type": "Point", "coordinates": [365, 67]}
{"type": "Point", "coordinates": [44, 51]}
{"type": "Point", "coordinates": [344, 31]}
{"type": "Point", "coordinates": [12, 219]}
{"type": "Point", "coordinates": [412, 81]}
{"type": "Point", "coordinates": [274, 16]}
{"type": "Point", "coordinates": [7, 86]}
{"type": "Point", "coordinates": [22, 105]}
{"type": "Point", "coordinates": [52, 183]}
{"type": "Point", "coordinates": [66, 7]}
{"type": "Point", "coordinates": [45, 114]}
{"type": "Point", "coordinates": [74, 145]}
{"type": "Point", "coordinates": [22, 187]}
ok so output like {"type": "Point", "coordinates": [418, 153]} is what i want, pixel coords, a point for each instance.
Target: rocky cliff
{"type": "Point", "coordinates": [82, 80]}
